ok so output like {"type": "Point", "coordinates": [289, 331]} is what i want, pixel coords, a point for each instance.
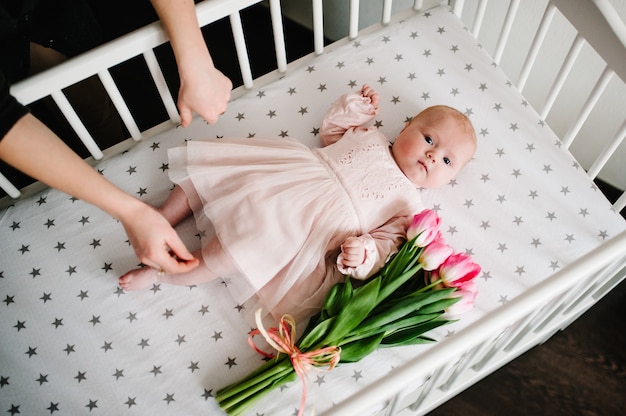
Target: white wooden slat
{"type": "Point", "coordinates": [386, 17]}
{"type": "Point", "coordinates": [161, 84]}
{"type": "Point", "coordinates": [565, 70]}
{"type": "Point", "coordinates": [418, 5]}
{"type": "Point", "coordinates": [354, 19]}
{"type": "Point", "coordinates": [318, 26]}
{"type": "Point", "coordinates": [457, 9]}
{"type": "Point", "coordinates": [242, 50]}
{"type": "Point", "coordinates": [620, 204]}
{"type": "Point", "coordinates": [607, 152]}
{"type": "Point", "coordinates": [9, 188]}
{"type": "Point", "coordinates": [120, 104]}
{"type": "Point", "coordinates": [78, 126]}
{"type": "Point", "coordinates": [591, 101]}
{"type": "Point", "coordinates": [478, 19]}
{"type": "Point", "coordinates": [506, 30]}
{"type": "Point", "coordinates": [536, 45]}
{"type": "Point", "coordinates": [279, 35]}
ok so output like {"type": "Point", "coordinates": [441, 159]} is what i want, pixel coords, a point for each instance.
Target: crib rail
{"type": "Point", "coordinates": [598, 25]}
{"type": "Point", "coordinates": [495, 339]}
{"type": "Point", "coordinates": [141, 43]}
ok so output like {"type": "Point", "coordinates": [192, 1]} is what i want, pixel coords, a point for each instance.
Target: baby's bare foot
{"type": "Point", "coordinates": [138, 279]}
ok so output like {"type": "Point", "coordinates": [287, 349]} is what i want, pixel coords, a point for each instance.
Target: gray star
{"type": "Point", "coordinates": [502, 247]}
{"type": "Point", "coordinates": [427, 53]}
{"type": "Point", "coordinates": [484, 132]}
{"type": "Point", "coordinates": [156, 287]}
{"type": "Point", "coordinates": [565, 190]}
{"type": "Point", "coordinates": [441, 30]}
{"type": "Point", "coordinates": [520, 270]}
{"type": "Point", "coordinates": [351, 83]}
{"type": "Point", "coordinates": [118, 373]}
{"type": "Point", "coordinates": [35, 272]}
{"type": "Point", "coordinates": [320, 380]}
{"type": "Point", "coordinates": [57, 322]}
{"type": "Point", "coordinates": [452, 230]}
{"type": "Point", "coordinates": [547, 168]}
{"type": "Point", "coordinates": [291, 91]}
{"type": "Point", "coordinates": [382, 80]}
{"type": "Point", "coordinates": [260, 94]}
{"type": "Point", "coordinates": [482, 87]}
{"type": "Point", "coordinates": [517, 173]}
{"type": "Point", "coordinates": [271, 114]}
{"type": "Point", "coordinates": [284, 133]}
{"type": "Point", "coordinates": [154, 146]}
{"type": "Point", "coordinates": [231, 362]}
{"type": "Point", "coordinates": [454, 48]}
{"type": "Point", "coordinates": [603, 234]}
{"type": "Point", "coordinates": [303, 110]}
{"type": "Point", "coordinates": [131, 170]}
{"type": "Point", "coordinates": [169, 398]}
{"type": "Point", "coordinates": [412, 76]}
{"type": "Point", "coordinates": [107, 346]}
{"type": "Point", "coordinates": [20, 325]}
{"type": "Point", "coordinates": [356, 375]}
{"type": "Point", "coordinates": [54, 407]}
{"type": "Point", "coordinates": [81, 376]}
{"type": "Point", "coordinates": [425, 96]}
{"type": "Point", "coordinates": [144, 343]}
{"type": "Point", "coordinates": [42, 379]}
{"type": "Point", "coordinates": [168, 313]}
{"type": "Point", "coordinates": [497, 107]}
{"type": "Point", "coordinates": [46, 297]}
{"type": "Point", "coordinates": [395, 100]}
{"type": "Point", "coordinates": [95, 320]}
{"type": "Point", "coordinates": [92, 404]}
{"type": "Point", "coordinates": [469, 67]}
{"type": "Point", "coordinates": [484, 225]}
{"type": "Point", "coordinates": [468, 203]}
{"type": "Point", "coordinates": [398, 57]}
{"type": "Point", "coordinates": [69, 349]}
{"type": "Point", "coordinates": [340, 65]}
{"type": "Point", "coordinates": [485, 177]}
{"type": "Point", "coordinates": [454, 92]}
{"type": "Point", "coordinates": [240, 116]}
{"type": "Point", "coordinates": [71, 270]}
{"type": "Point", "coordinates": [533, 194]}
{"type": "Point", "coordinates": [530, 147]}
{"type": "Point", "coordinates": [131, 402]}
{"type": "Point", "coordinates": [503, 299]}
{"type": "Point", "coordinates": [217, 335]}
{"type": "Point", "coordinates": [204, 309]}
{"type": "Point", "coordinates": [386, 39]}
{"type": "Point", "coordinates": [15, 225]}
{"type": "Point", "coordinates": [501, 199]}
{"type": "Point", "coordinates": [156, 370]}
{"type": "Point", "coordinates": [84, 220]}
{"type": "Point", "coordinates": [31, 351]}
{"type": "Point", "coordinates": [60, 246]}
{"type": "Point", "coordinates": [310, 69]}
{"type": "Point", "coordinates": [49, 223]}
{"type": "Point", "coordinates": [554, 265]}
{"type": "Point", "coordinates": [193, 366]}
{"type": "Point", "coordinates": [95, 243]}
{"type": "Point", "coordinates": [180, 339]}
{"type": "Point", "coordinates": [536, 242]}
{"type": "Point", "coordinates": [322, 87]}
{"type": "Point", "coordinates": [414, 35]}
{"type": "Point", "coordinates": [369, 61]}
{"type": "Point", "coordinates": [24, 249]}
{"type": "Point", "coordinates": [142, 191]}
{"type": "Point", "coordinates": [441, 72]}
{"type": "Point", "coordinates": [207, 394]}
{"type": "Point", "coordinates": [132, 316]}
{"type": "Point", "coordinates": [551, 216]}
{"type": "Point", "coordinates": [107, 267]}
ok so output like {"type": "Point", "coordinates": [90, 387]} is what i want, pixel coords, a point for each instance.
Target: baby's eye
{"type": "Point", "coordinates": [428, 140]}
{"type": "Point", "coordinates": [447, 161]}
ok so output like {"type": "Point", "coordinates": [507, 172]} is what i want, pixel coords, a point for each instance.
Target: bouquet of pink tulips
{"type": "Point", "coordinates": [405, 299]}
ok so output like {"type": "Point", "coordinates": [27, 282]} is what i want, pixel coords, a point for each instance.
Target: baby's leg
{"type": "Point", "coordinates": [176, 207]}
{"type": "Point", "coordinates": [144, 277]}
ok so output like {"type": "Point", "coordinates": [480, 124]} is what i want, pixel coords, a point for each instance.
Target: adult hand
{"type": "Point", "coordinates": [156, 243]}
{"type": "Point", "coordinates": [204, 90]}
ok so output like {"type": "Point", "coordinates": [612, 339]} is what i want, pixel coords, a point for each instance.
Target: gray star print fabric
{"type": "Point", "coordinates": [74, 343]}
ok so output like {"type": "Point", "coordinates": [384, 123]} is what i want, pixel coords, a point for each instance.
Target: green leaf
{"type": "Point", "coordinates": [409, 335]}
{"type": "Point", "coordinates": [357, 309]}
{"type": "Point", "coordinates": [317, 333]}
{"type": "Point", "coordinates": [354, 351]}
{"type": "Point", "coordinates": [384, 314]}
{"type": "Point", "coordinates": [439, 305]}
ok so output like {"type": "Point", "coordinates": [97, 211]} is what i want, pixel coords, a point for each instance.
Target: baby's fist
{"type": "Point", "coordinates": [352, 252]}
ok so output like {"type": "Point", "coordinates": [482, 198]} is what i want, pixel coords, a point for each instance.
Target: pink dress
{"type": "Point", "coordinates": [280, 210]}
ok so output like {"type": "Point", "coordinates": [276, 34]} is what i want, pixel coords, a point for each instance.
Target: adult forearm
{"type": "Point", "coordinates": [35, 150]}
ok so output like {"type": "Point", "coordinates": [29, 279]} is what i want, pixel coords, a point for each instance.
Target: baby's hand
{"type": "Point", "coordinates": [353, 252]}
{"type": "Point", "coordinates": [369, 92]}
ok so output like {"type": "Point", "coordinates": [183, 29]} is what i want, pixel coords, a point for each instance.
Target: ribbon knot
{"type": "Point", "coordinates": [283, 340]}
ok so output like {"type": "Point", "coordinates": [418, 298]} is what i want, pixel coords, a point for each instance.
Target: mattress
{"type": "Point", "coordinates": [74, 343]}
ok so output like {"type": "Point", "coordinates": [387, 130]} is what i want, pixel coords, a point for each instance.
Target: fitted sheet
{"type": "Point", "coordinates": [74, 343]}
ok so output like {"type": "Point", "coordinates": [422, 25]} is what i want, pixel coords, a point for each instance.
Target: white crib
{"type": "Point", "coordinates": [549, 242]}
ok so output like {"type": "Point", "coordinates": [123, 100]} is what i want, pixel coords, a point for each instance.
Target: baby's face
{"type": "Point", "coordinates": [432, 150]}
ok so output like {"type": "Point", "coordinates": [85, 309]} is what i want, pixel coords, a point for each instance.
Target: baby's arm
{"type": "Point", "coordinates": [363, 256]}
{"type": "Point", "coordinates": [350, 110]}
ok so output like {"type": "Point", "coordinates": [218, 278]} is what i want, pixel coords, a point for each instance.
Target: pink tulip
{"type": "Point", "coordinates": [468, 295]}
{"type": "Point", "coordinates": [458, 270]}
{"type": "Point", "coordinates": [434, 254]}
{"type": "Point", "coordinates": [425, 226]}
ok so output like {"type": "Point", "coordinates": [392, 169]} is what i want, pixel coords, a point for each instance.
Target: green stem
{"type": "Point", "coordinates": [241, 388]}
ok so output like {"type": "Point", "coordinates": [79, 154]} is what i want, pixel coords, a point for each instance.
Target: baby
{"type": "Point", "coordinates": [290, 221]}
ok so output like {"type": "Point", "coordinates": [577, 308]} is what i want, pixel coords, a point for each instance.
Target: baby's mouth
{"type": "Point", "coordinates": [423, 165]}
